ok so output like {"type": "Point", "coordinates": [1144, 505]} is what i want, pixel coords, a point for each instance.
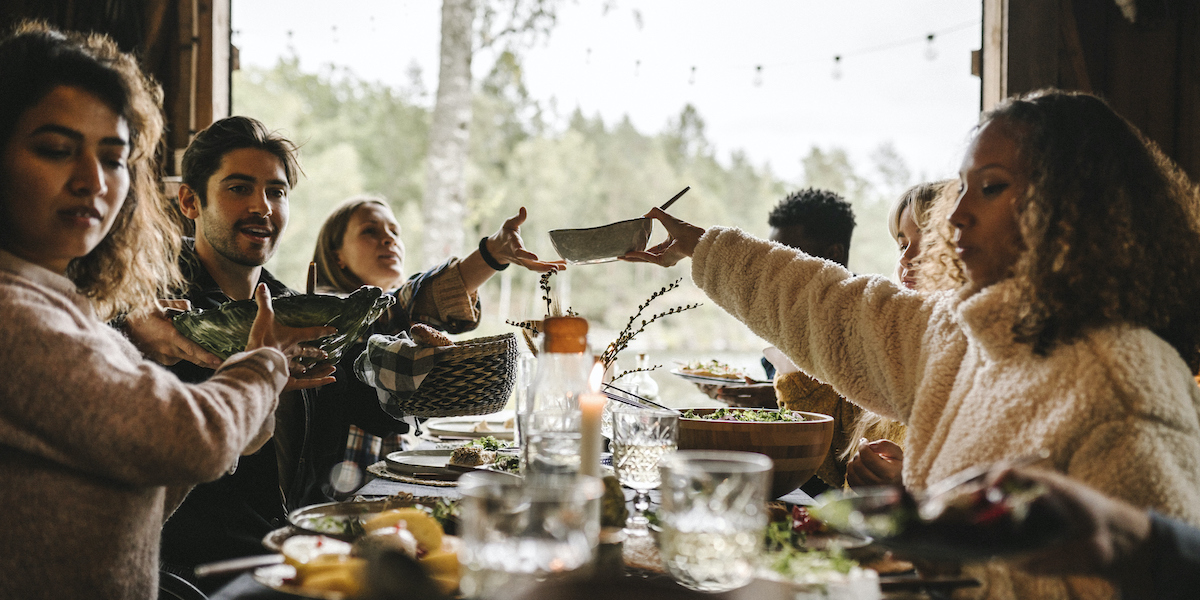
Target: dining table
{"type": "Point", "coordinates": [621, 577]}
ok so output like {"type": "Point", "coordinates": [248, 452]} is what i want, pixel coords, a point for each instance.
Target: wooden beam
{"type": "Point", "coordinates": [993, 54]}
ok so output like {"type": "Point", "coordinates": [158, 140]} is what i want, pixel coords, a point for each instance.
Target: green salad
{"type": "Point", "coordinates": [749, 415]}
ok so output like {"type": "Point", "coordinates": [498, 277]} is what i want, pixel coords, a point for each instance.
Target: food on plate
{"type": "Point", "coordinates": [423, 526]}
{"type": "Point", "coordinates": [713, 368]}
{"type": "Point", "coordinates": [755, 415]}
{"type": "Point", "coordinates": [324, 563]}
{"type": "Point", "coordinates": [481, 427]}
{"type": "Point", "coordinates": [330, 565]}
{"type": "Point", "coordinates": [428, 336]}
{"type": "Point", "coordinates": [346, 526]}
{"type": "Point", "coordinates": [470, 456]}
{"type": "Point", "coordinates": [803, 522]}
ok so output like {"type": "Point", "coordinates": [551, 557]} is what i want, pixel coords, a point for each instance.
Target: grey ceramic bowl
{"type": "Point", "coordinates": [601, 244]}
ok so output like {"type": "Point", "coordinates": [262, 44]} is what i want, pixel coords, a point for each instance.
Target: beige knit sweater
{"type": "Point", "coordinates": [1117, 409]}
{"type": "Point", "coordinates": [97, 445]}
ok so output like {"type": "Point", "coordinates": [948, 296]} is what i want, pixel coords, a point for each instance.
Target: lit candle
{"type": "Point", "coordinates": [312, 277]}
{"type": "Point", "coordinates": [591, 407]}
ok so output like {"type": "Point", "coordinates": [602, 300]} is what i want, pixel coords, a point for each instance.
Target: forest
{"type": "Point", "coordinates": [568, 169]}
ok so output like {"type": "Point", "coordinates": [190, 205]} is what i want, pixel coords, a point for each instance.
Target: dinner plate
{"type": "Point", "coordinates": [710, 380]}
{"type": "Point", "coordinates": [431, 465]}
{"type": "Point", "coordinates": [423, 464]}
{"type": "Point", "coordinates": [465, 427]}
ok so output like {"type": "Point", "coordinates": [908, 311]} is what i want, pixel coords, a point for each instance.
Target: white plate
{"type": "Point", "coordinates": [464, 427]}
{"type": "Point", "coordinates": [709, 380]}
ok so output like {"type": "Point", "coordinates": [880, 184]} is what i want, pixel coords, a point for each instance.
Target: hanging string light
{"type": "Point", "coordinates": [837, 67]}
{"type": "Point", "coordinates": [931, 52]}
{"type": "Point", "coordinates": [692, 77]}
{"type": "Point", "coordinates": [588, 60]}
{"type": "Point", "coordinates": [637, 67]}
{"type": "Point", "coordinates": [758, 76]}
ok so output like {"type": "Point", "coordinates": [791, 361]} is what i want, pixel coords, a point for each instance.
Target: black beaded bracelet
{"type": "Point", "coordinates": [488, 258]}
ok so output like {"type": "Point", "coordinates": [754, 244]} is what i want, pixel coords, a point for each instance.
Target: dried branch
{"type": "Point", "coordinates": [628, 333]}
{"type": "Point", "coordinates": [632, 371]}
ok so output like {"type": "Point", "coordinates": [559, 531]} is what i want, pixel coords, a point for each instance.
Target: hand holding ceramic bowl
{"type": "Point", "coordinates": [607, 242]}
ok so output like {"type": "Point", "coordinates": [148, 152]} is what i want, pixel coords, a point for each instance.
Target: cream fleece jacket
{"type": "Point", "coordinates": [98, 446]}
{"type": "Point", "coordinates": [1117, 409]}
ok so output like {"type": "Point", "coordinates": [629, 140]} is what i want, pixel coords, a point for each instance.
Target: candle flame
{"type": "Point", "coordinates": [596, 377]}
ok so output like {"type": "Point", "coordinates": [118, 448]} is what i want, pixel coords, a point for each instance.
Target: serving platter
{"type": "Point", "coordinates": [731, 381]}
{"type": "Point", "coordinates": [465, 427]}
{"type": "Point", "coordinates": [317, 519]}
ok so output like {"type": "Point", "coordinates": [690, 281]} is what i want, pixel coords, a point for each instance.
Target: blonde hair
{"type": "Point", "coordinates": [330, 276]}
{"type": "Point", "coordinates": [931, 204]}
{"type": "Point", "coordinates": [137, 261]}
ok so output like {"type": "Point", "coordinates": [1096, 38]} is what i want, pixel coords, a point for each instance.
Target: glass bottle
{"type": "Point", "coordinates": [551, 417]}
{"type": "Point", "coordinates": [641, 383]}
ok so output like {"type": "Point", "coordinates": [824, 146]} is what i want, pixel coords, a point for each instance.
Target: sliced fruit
{"type": "Point", "coordinates": [445, 585]}
{"type": "Point", "coordinates": [441, 562]}
{"type": "Point", "coordinates": [346, 577]}
{"type": "Point", "coordinates": [423, 527]}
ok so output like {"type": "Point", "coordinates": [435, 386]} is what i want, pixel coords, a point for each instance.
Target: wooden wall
{"type": "Point", "coordinates": [183, 44]}
{"type": "Point", "coordinates": [1149, 69]}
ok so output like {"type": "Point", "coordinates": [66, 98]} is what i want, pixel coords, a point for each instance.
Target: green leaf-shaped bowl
{"type": "Point", "coordinates": [225, 329]}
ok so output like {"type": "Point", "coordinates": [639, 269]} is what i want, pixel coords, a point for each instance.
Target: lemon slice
{"type": "Point", "coordinates": [418, 522]}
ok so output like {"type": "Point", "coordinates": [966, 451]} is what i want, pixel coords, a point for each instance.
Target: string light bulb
{"type": "Point", "coordinates": [758, 79]}
{"type": "Point", "coordinates": [837, 67]}
{"type": "Point", "coordinates": [637, 67]}
{"type": "Point", "coordinates": [931, 52]}
{"type": "Point", "coordinates": [692, 77]}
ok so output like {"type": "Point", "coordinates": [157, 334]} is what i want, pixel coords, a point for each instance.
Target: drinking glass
{"type": "Point", "coordinates": [641, 438]}
{"type": "Point", "coordinates": [713, 517]}
{"type": "Point", "coordinates": [526, 370]}
{"type": "Point", "coordinates": [516, 533]}
{"type": "Point", "coordinates": [552, 439]}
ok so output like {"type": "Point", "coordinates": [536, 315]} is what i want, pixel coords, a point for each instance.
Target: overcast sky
{"type": "Point", "coordinates": [637, 59]}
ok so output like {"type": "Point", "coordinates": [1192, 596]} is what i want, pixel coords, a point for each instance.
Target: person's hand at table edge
{"type": "Point", "coordinates": [681, 241]}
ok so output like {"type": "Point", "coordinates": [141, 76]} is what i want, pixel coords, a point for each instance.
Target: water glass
{"type": "Point", "coordinates": [552, 439]}
{"type": "Point", "coordinates": [522, 384]}
{"type": "Point", "coordinates": [641, 438]}
{"type": "Point", "coordinates": [713, 517]}
{"type": "Point", "coordinates": [517, 533]}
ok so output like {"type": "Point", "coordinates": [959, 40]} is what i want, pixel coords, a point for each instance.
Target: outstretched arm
{"type": "Point", "coordinates": [505, 247]}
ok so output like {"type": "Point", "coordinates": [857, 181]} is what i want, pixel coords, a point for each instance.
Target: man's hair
{"type": "Point", "coordinates": [826, 217]}
{"type": "Point", "coordinates": [203, 156]}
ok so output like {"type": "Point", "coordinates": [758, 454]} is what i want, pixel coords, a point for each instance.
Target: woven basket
{"type": "Point", "coordinates": [474, 377]}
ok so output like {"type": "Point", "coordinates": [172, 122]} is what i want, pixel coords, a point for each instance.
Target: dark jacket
{"type": "Point", "coordinates": [228, 518]}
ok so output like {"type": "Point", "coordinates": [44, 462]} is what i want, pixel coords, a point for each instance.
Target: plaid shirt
{"type": "Point", "coordinates": [457, 312]}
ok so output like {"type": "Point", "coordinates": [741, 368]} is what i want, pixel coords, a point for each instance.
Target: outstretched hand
{"type": "Point", "coordinates": [681, 241]}
{"type": "Point", "coordinates": [506, 246]}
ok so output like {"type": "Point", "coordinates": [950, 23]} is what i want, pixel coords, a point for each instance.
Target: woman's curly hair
{"type": "Point", "coordinates": [1109, 223]}
{"type": "Point", "coordinates": [136, 262]}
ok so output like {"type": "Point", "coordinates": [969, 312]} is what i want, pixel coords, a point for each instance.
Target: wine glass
{"type": "Point", "coordinates": [640, 438]}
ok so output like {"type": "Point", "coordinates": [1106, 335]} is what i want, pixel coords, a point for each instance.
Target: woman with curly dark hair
{"type": "Point", "coordinates": [1075, 337]}
{"type": "Point", "coordinates": [98, 445]}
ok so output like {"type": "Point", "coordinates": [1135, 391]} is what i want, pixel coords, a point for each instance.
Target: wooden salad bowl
{"type": "Point", "coordinates": [797, 448]}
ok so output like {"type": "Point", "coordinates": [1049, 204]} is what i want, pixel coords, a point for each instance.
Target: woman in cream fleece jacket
{"type": "Point", "coordinates": [97, 445]}
{"type": "Point", "coordinates": [1075, 336]}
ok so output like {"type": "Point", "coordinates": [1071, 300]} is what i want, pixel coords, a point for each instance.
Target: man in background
{"type": "Point", "coordinates": [237, 176]}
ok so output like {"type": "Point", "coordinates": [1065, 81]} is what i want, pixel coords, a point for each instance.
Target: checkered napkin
{"type": "Point", "coordinates": [395, 365]}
